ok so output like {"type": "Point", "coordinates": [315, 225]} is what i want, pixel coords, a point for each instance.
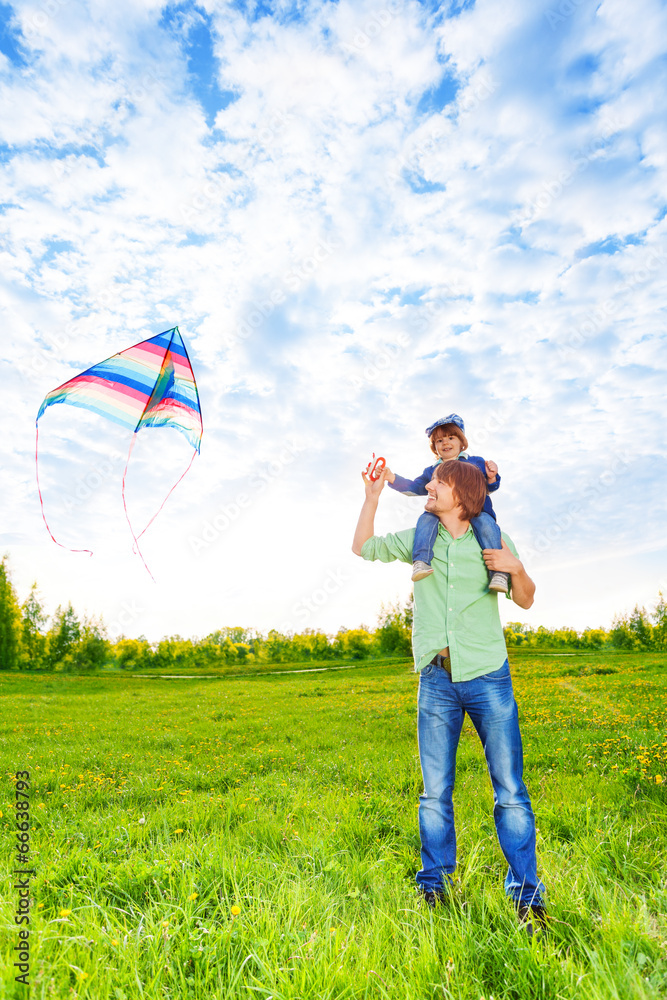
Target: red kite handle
{"type": "Point", "coordinates": [374, 468]}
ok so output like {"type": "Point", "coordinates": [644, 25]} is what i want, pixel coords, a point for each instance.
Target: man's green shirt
{"type": "Point", "coordinates": [453, 606]}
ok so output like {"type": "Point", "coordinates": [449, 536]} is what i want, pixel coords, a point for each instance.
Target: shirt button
{"type": "Point", "coordinates": [451, 609]}
{"type": "Point", "coordinates": [451, 586]}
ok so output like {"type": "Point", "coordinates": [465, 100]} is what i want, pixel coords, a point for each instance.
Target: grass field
{"type": "Point", "coordinates": [257, 837]}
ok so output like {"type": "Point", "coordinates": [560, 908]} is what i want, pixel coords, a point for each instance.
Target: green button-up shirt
{"type": "Point", "coordinates": [453, 606]}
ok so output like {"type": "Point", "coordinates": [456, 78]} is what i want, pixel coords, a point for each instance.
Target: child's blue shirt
{"type": "Point", "coordinates": [417, 487]}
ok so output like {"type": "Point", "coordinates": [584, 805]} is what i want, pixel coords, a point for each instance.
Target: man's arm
{"type": "Point", "coordinates": [366, 522]}
{"type": "Point", "coordinates": [504, 561]}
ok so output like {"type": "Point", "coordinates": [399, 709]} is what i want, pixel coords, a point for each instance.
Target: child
{"type": "Point", "coordinates": [448, 441]}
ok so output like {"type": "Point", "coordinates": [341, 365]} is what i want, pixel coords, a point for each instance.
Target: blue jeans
{"type": "Point", "coordinates": [485, 530]}
{"type": "Point", "coordinates": [489, 701]}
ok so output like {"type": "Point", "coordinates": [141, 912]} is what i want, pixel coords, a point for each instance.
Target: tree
{"type": "Point", "coordinates": [593, 638]}
{"type": "Point", "coordinates": [236, 634]}
{"type": "Point", "coordinates": [355, 644]}
{"type": "Point", "coordinates": [227, 649]}
{"type": "Point", "coordinates": [132, 654]}
{"type": "Point", "coordinates": [517, 634]}
{"type": "Point", "coordinates": [543, 638]}
{"type": "Point", "coordinates": [632, 632]}
{"type": "Point", "coordinates": [394, 630]}
{"type": "Point", "coordinates": [278, 648]}
{"type": "Point", "coordinates": [10, 622]}
{"type": "Point", "coordinates": [63, 635]}
{"type": "Point", "coordinates": [90, 651]}
{"type": "Point", "coordinates": [660, 623]}
{"type": "Point", "coordinates": [310, 645]}
{"type": "Point", "coordinates": [33, 637]}
{"type": "Point", "coordinates": [242, 649]}
{"type": "Point", "coordinates": [174, 653]}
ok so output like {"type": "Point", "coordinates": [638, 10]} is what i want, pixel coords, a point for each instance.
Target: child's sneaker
{"type": "Point", "coordinates": [420, 570]}
{"type": "Point", "coordinates": [498, 582]}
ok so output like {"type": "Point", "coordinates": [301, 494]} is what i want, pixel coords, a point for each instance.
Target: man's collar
{"type": "Point", "coordinates": [466, 532]}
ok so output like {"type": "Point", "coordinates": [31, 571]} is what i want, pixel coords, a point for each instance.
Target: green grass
{"type": "Point", "coordinates": [159, 807]}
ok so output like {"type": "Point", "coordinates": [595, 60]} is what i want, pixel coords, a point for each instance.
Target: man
{"type": "Point", "coordinates": [460, 652]}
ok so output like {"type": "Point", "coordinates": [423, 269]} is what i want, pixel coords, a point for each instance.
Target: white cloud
{"type": "Point", "coordinates": [346, 265]}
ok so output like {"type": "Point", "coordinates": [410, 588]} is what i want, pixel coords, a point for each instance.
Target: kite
{"type": "Point", "coordinates": [148, 385]}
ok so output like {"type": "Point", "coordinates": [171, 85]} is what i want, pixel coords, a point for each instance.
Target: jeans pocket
{"type": "Point", "coordinates": [498, 675]}
{"type": "Point", "coordinates": [425, 671]}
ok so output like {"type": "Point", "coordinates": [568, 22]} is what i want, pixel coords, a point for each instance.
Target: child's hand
{"type": "Point", "coordinates": [491, 471]}
{"type": "Point", "coordinates": [389, 475]}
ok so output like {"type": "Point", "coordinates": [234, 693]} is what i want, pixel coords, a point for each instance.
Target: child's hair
{"type": "Point", "coordinates": [467, 483]}
{"type": "Point", "coordinates": [450, 429]}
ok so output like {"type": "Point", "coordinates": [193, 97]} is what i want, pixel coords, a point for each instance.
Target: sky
{"type": "Point", "coordinates": [362, 217]}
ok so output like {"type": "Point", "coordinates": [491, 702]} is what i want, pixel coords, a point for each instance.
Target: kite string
{"type": "Point", "coordinates": [136, 538]}
{"type": "Point", "coordinates": [127, 516]}
{"type": "Point", "coordinates": [194, 453]}
{"type": "Point", "coordinates": [41, 499]}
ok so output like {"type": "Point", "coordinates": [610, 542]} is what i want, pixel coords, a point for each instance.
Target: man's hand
{"type": "Point", "coordinates": [389, 475]}
{"type": "Point", "coordinates": [365, 526]}
{"type": "Point", "coordinates": [491, 471]}
{"type": "Point", "coordinates": [501, 560]}
{"type": "Point", "coordinates": [504, 561]}
{"type": "Point", "coordinates": [374, 487]}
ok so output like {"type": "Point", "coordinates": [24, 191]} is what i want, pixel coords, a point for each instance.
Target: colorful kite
{"type": "Point", "coordinates": [149, 385]}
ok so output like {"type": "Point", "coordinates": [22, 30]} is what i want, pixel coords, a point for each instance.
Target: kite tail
{"type": "Point", "coordinates": [41, 500]}
{"type": "Point", "coordinates": [127, 516]}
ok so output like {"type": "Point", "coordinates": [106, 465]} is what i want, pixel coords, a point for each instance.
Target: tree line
{"type": "Point", "coordinates": [30, 639]}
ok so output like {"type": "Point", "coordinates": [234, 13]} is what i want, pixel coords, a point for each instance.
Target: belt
{"type": "Point", "coordinates": [442, 661]}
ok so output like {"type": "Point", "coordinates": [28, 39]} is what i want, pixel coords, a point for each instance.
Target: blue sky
{"type": "Point", "coordinates": [362, 217]}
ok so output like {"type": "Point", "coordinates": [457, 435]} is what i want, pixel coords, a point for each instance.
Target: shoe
{"type": "Point", "coordinates": [499, 583]}
{"type": "Point", "coordinates": [420, 570]}
{"type": "Point", "coordinates": [533, 918]}
{"type": "Point", "coordinates": [433, 897]}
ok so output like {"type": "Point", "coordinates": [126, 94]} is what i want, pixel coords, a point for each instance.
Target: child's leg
{"type": "Point", "coordinates": [426, 533]}
{"type": "Point", "coordinates": [485, 530]}
{"type": "Point", "coordinates": [487, 533]}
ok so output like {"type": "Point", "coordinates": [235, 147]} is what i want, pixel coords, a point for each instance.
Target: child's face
{"type": "Point", "coordinates": [446, 444]}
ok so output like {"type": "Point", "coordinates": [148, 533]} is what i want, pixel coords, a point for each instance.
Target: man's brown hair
{"type": "Point", "coordinates": [467, 483]}
{"type": "Point", "coordinates": [449, 429]}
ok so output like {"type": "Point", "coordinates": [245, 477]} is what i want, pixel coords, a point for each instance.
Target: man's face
{"type": "Point", "coordinates": [446, 444]}
{"type": "Point", "coordinates": [440, 497]}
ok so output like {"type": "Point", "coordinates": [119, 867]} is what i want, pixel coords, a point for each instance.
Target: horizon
{"type": "Point", "coordinates": [114, 630]}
